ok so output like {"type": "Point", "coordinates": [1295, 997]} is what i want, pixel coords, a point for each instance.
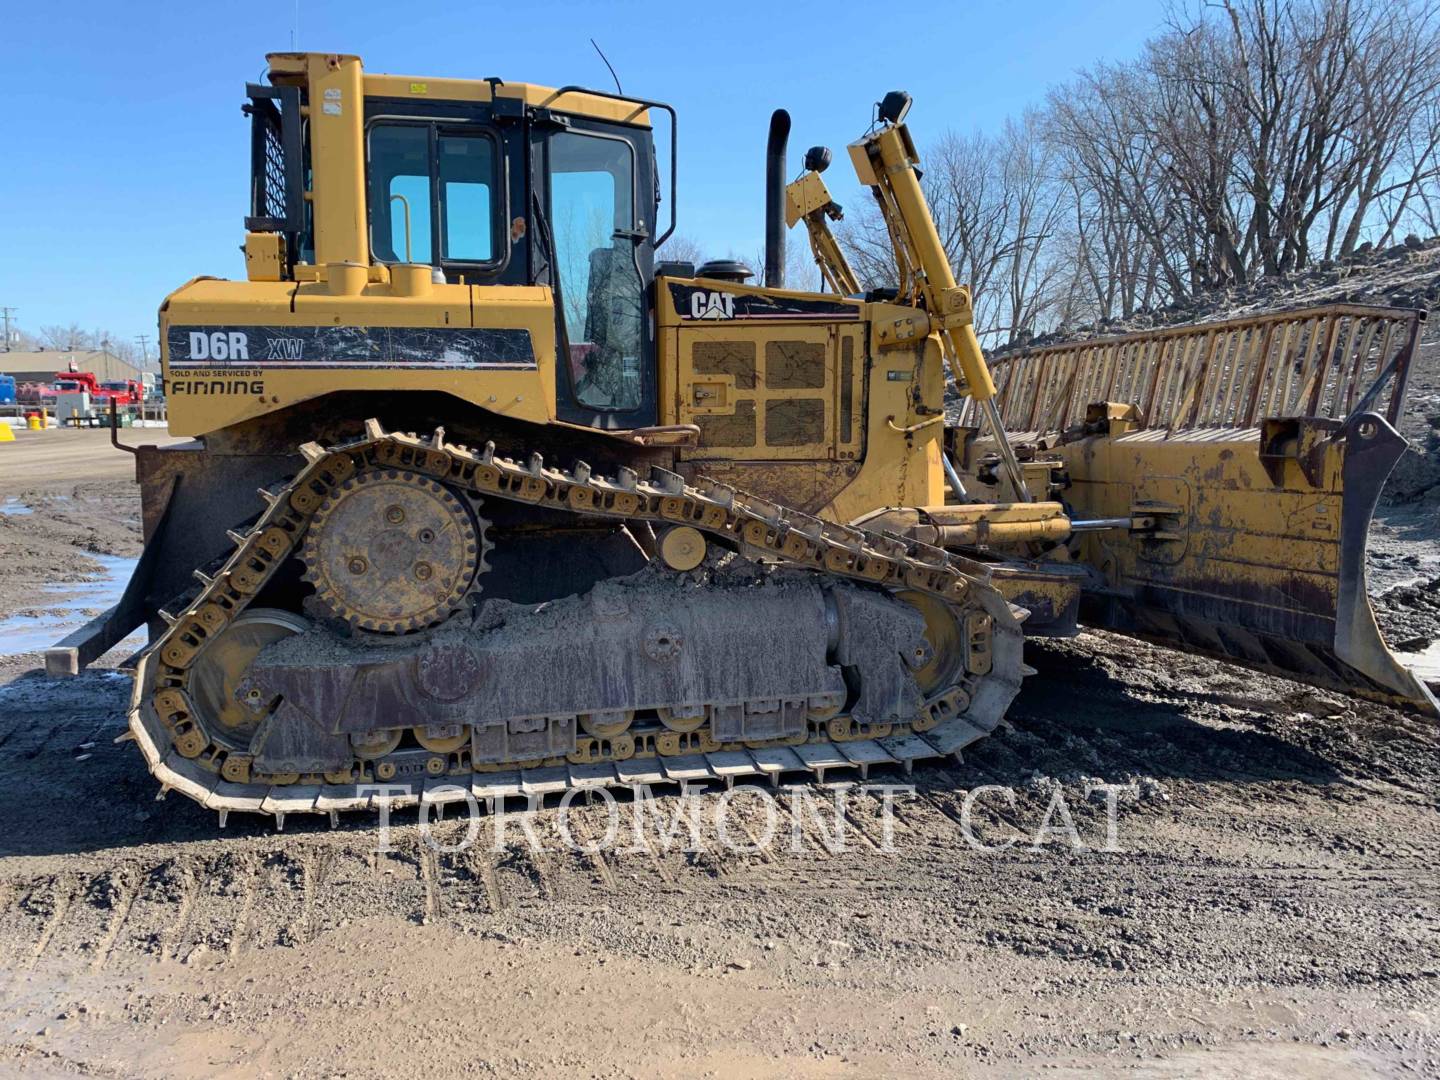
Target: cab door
{"type": "Point", "coordinates": [595, 176]}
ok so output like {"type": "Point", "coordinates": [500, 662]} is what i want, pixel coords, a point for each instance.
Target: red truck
{"type": "Point", "coordinates": [123, 391]}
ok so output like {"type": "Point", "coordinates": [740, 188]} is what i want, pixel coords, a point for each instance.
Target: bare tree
{"type": "Point", "coordinates": [998, 211]}
{"type": "Point", "coordinates": [69, 337]}
{"type": "Point", "coordinates": [74, 338]}
{"type": "Point", "coordinates": [681, 248]}
{"type": "Point", "coordinates": [1250, 139]}
{"type": "Point", "coordinates": [1329, 113]}
{"type": "Point", "coordinates": [1397, 81]}
{"type": "Point", "coordinates": [1034, 218]}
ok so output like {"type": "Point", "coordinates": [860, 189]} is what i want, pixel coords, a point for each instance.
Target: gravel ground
{"type": "Point", "coordinates": [1270, 909]}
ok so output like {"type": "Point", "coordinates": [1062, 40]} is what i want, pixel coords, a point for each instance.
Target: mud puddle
{"type": "Point", "coordinates": [61, 607]}
{"type": "Point", "coordinates": [1425, 662]}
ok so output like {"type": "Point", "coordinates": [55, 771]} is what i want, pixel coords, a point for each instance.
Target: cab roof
{"type": "Point", "coordinates": [287, 67]}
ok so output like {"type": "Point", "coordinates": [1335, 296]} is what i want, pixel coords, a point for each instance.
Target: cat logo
{"type": "Point", "coordinates": [711, 305]}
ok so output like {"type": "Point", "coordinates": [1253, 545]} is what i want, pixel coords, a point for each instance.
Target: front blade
{"type": "Point", "coordinates": [1252, 451]}
{"type": "Point", "coordinates": [1257, 549]}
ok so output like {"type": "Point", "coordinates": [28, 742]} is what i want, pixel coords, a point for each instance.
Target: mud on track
{"type": "Point", "coordinates": [1272, 910]}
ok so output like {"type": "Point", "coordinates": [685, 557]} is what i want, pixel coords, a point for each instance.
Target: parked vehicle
{"type": "Point", "coordinates": [123, 391]}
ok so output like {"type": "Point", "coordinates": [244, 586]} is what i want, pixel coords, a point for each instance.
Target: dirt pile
{"type": "Point", "coordinates": [1416, 478]}
{"type": "Point", "coordinates": [1406, 275]}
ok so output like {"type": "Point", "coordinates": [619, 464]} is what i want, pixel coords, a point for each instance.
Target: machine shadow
{"type": "Point", "coordinates": [1084, 708]}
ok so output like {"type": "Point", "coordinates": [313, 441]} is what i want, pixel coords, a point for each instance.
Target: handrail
{"type": "Point", "coordinates": [674, 139]}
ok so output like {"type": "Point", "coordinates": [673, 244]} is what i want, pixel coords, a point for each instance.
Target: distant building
{"type": "Point", "coordinates": [41, 365]}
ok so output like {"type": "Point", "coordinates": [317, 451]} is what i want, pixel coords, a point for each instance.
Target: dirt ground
{"type": "Point", "coordinates": [1271, 910]}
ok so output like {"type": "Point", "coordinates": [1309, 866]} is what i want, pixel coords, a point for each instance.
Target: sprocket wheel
{"type": "Point", "coordinates": [392, 551]}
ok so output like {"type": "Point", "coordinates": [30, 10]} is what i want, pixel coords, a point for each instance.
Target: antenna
{"type": "Point", "coordinates": [295, 31]}
{"type": "Point", "coordinates": [607, 64]}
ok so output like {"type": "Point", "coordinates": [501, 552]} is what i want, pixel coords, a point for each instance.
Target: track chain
{"type": "Point", "coordinates": [663, 499]}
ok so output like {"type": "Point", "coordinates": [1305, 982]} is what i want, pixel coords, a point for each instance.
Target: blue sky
{"type": "Point", "coordinates": [126, 155]}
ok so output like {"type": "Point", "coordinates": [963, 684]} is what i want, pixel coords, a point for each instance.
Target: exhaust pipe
{"type": "Point", "coordinates": [775, 199]}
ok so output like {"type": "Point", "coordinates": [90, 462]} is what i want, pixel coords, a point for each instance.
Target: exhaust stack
{"type": "Point", "coordinates": [775, 199]}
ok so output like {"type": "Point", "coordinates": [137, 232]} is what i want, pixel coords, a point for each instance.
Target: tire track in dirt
{"type": "Point", "coordinates": [427, 870]}
{"type": "Point", "coordinates": [312, 871]}
{"type": "Point", "coordinates": [584, 835]}
{"type": "Point", "coordinates": [119, 913]}
{"type": "Point", "coordinates": [60, 896]}
{"type": "Point", "coordinates": [239, 927]}
{"type": "Point", "coordinates": [172, 940]}
{"type": "Point", "coordinates": [493, 895]}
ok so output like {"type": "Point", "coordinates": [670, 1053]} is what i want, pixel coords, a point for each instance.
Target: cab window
{"type": "Point", "coordinates": [592, 217]}
{"type": "Point", "coordinates": [435, 175]}
{"type": "Point", "coordinates": [466, 168]}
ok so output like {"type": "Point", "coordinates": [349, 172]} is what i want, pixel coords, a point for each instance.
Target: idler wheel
{"type": "Point", "coordinates": [215, 676]}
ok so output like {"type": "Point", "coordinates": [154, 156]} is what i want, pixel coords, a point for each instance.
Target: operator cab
{"type": "Point", "coordinates": [498, 184]}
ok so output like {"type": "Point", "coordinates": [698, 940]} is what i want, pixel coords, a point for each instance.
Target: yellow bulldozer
{"type": "Point", "coordinates": [485, 499]}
